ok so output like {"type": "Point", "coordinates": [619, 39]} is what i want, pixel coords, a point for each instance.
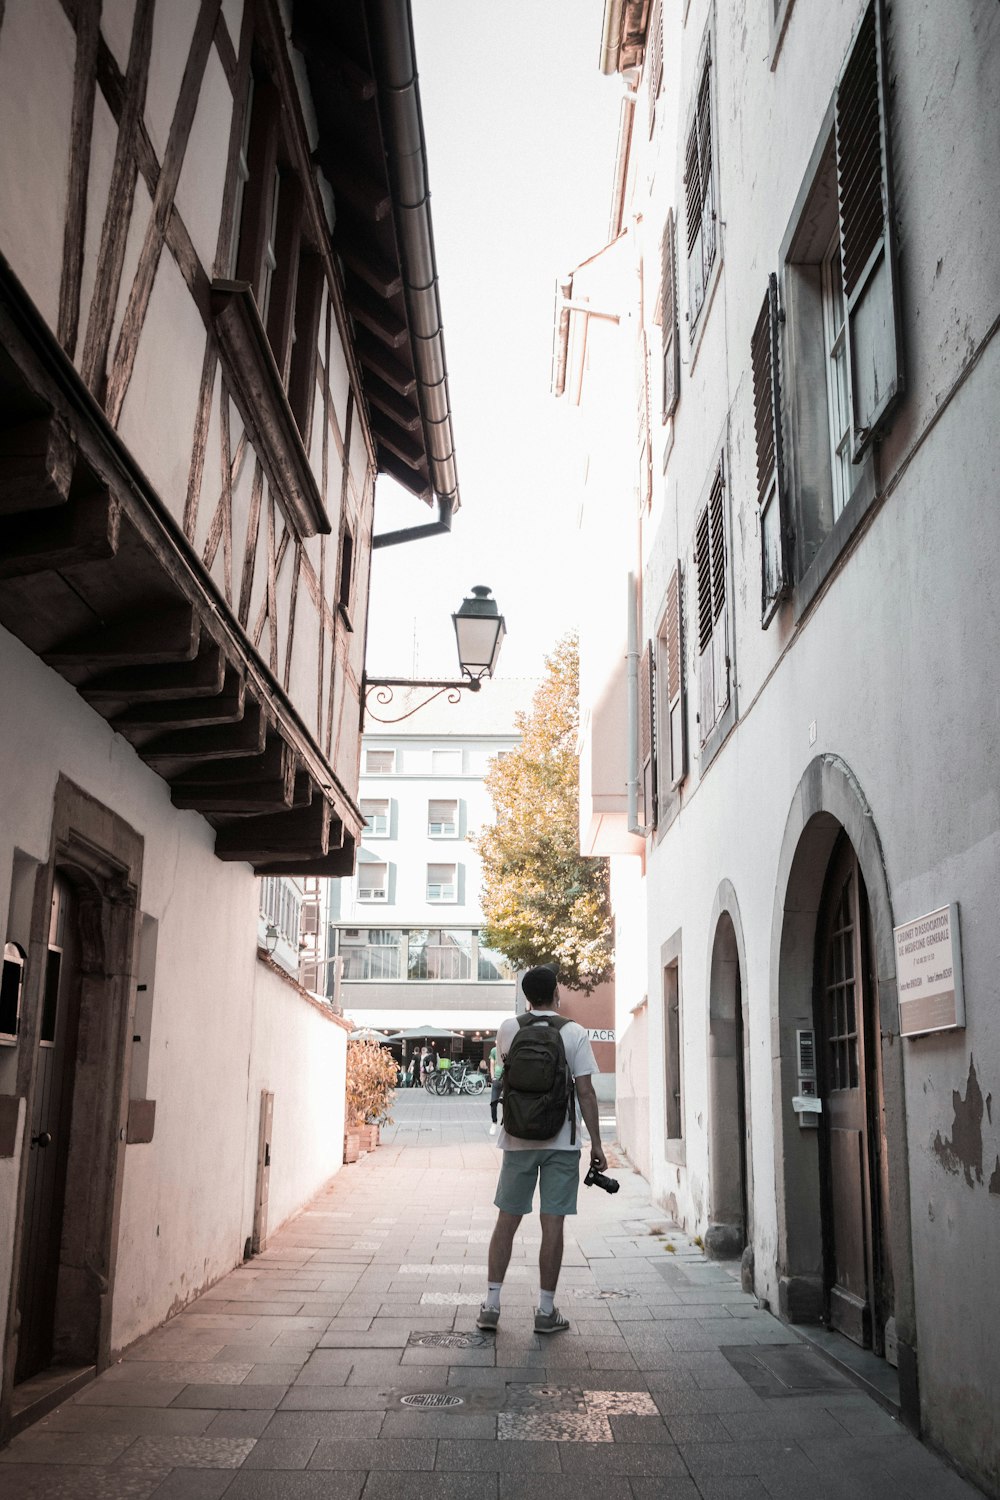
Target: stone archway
{"type": "Point", "coordinates": [828, 802]}
{"type": "Point", "coordinates": [730, 1170]}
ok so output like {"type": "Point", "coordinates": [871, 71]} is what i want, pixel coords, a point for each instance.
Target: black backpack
{"type": "Point", "coordinates": [537, 1084]}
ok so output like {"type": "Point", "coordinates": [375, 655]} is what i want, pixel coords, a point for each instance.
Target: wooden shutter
{"type": "Point", "coordinates": [647, 738]}
{"type": "Point", "coordinates": [720, 612]}
{"type": "Point", "coordinates": [673, 644]}
{"type": "Point", "coordinates": [668, 320]}
{"type": "Point", "coordinates": [704, 129]}
{"type": "Point", "coordinates": [775, 571]}
{"type": "Point", "coordinates": [692, 210]}
{"type": "Point", "coordinates": [864, 193]}
{"type": "Point", "coordinates": [703, 573]}
{"type": "Point", "coordinates": [655, 52]}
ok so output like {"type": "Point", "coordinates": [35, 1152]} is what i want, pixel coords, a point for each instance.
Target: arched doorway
{"type": "Point", "coordinates": [730, 1181]}
{"type": "Point", "coordinates": [842, 1188]}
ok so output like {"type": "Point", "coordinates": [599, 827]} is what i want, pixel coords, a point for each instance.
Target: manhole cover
{"type": "Point", "coordinates": [446, 1341]}
{"type": "Point", "coordinates": [587, 1295]}
{"type": "Point", "coordinates": [431, 1398]}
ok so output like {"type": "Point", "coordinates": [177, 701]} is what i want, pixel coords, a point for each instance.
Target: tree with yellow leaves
{"type": "Point", "coordinates": [542, 900]}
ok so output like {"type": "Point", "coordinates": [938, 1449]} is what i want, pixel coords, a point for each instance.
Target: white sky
{"type": "Point", "coordinates": [521, 133]}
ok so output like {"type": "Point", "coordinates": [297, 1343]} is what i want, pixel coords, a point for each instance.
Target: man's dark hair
{"type": "Point", "coordinates": [539, 985]}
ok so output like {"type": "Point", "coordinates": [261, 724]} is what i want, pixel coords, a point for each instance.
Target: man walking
{"type": "Point", "coordinates": [524, 1047]}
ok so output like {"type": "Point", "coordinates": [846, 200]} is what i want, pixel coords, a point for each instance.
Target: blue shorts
{"type": "Point", "coordinates": [558, 1175]}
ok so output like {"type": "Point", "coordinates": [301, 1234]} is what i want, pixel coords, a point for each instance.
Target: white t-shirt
{"type": "Point", "coordinates": [579, 1055]}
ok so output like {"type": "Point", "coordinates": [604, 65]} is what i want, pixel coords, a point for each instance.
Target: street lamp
{"type": "Point", "coordinates": [479, 632]}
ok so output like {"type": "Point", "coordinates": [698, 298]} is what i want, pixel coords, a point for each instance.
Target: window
{"type": "Point", "coordinates": [371, 953]}
{"type": "Point", "coordinates": [281, 907]}
{"type": "Point", "coordinates": [10, 989]}
{"type": "Point", "coordinates": [380, 762]}
{"type": "Point", "coordinates": [492, 966]}
{"type": "Point", "coordinates": [446, 762]}
{"type": "Point", "coordinates": [670, 706]}
{"type": "Point", "coordinates": [841, 348]}
{"type": "Point", "coordinates": [775, 573]}
{"type": "Point", "coordinates": [442, 884]}
{"type": "Point", "coordinates": [699, 182]}
{"type": "Point", "coordinates": [273, 251]}
{"type": "Point", "coordinates": [373, 882]}
{"type": "Point", "coordinates": [711, 576]}
{"type": "Point", "coordinates": [670, 350]}
{"type": "Point", "coordinates": [442, 819]}
{"type": "Point", "coordinates": [346, 573]}
{"type": "Point", "coordinates": [672, 1072]}
{"type": "Point", "coordinates": [439, 953]}
{"type": "Point", "coordinates": [376, 813]}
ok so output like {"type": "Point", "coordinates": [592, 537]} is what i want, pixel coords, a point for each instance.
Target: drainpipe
{"type": "Point", "coordinates": [632, 708]}
{"type": "Point", "coordinates": [611, 37]}
{"type": "Point", "coordinates": [399, 106]}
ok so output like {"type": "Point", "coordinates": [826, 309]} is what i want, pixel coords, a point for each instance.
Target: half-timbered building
{"type": "Point", "coordinates": [219, 323]}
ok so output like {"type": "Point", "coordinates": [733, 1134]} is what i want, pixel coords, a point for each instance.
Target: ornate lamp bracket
{"type": "Point", "coordinates": [381, 690]}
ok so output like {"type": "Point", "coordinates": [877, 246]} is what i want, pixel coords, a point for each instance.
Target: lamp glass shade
{"type": "Point", "coordinates": [479, 632]}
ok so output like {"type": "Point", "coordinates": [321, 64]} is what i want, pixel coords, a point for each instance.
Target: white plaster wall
{"type": "Point", "coordinates": [37, 55]}
{"type": "Point", "coordinates": [219, 1034]}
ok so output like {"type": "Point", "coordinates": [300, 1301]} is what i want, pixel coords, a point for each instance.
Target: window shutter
{"type": "Point", "coordinates": [692, 209]}
{"type": "Point", "coordinates": [655, 48]}
{"type": "Point", "coordinates": [310, 918]}
{"type": "Point", "coordinates": [647, 746]}
{"type": "Point", "coordinates": [704, 129]}
{"type": "Point", "coordinates": [864, 193]}
{"type": "Point", "coordinates": [703, 572]}
{"type": "Point", "coordinates": [668, 320]}
{"type": "Point", "coordinates": [720, 620]}
{"type": "Point", "coordinates": [674, 652]}
{"type": "Point", "coordinates": [775, 571]}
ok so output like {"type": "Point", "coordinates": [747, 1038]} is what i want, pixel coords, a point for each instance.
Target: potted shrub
{"type": "Point", "coordinates": [371, 1078]}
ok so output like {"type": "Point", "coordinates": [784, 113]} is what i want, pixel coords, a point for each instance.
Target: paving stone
{"type": "Point", "coordinates": [501, 1457]}
{"type": "Point", "coordinates": [341, 1398]}
{"type": "Point", "coordinates": [643, 1459]}
{"type": "Point", "coordinates": [232, 1397]}
{"type": "Point", "coordinates": [74, 1482]}
{"type": "Point", "coordinates": [186, 1453]}
{"type": "Point", "coordinates": [142, 1393]}
{"type": "Point", "coordinates": [280, 1453]}
{"type": "Point", "coordinates": [443, 1486]}
{"type": "Point", "coordinates": [137, 1420]}
{"type": "Point", "coordinates": [560, 1487]}
{"type": "Point", "coordinates": [47, 1447]}
{"type": "Point", "coordinates": [438, 1424]}
{"type": "Point", "coordinates": [238, 1424]}
{"type": "Point", "coordinates": [403, 1454]}
{"type": "Point", "coordinates": [760, 1457]}
{"type": "Point", "coordinates": [194, 1484]}
{"type": "Point", "coordinates": [203, 1371]}
{"type": "Point", "coordinates": [291, 1484]}
{"type": "Point", "coordinates": [322, 1424]}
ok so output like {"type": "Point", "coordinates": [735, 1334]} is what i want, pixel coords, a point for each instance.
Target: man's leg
{"type": "Point", "coordinates": [550, 1257]}
{"type": "Point", "coordinates": [501, 1245]}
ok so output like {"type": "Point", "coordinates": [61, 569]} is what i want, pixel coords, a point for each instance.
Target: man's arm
{"type": "Point", "coordinates": [588, 1108]}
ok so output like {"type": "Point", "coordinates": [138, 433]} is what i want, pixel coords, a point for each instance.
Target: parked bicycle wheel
{"type": "Point", "coordinates": [474, 1083]}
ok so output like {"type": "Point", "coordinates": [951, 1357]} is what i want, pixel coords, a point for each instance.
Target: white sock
{"type": "Point", "coordinates": [546, 1301]}
{"type": "Point", "coordinates": [493, 1290]}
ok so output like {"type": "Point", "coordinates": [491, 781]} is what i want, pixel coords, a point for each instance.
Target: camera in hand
{"type": "Point", "coordinates": [594, 1178]}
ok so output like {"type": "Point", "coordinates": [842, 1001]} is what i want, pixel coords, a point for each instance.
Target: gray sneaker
{"type": "Point", "coordinates": [552, 1322]}
{"type": "Point", "coordinates": [488, 1318]}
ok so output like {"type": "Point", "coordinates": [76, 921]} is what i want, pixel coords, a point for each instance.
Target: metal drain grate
{"type": "Point", "coordinates": [431, 1398]}
{"type": "Point", "coordinates": [446, 1341]}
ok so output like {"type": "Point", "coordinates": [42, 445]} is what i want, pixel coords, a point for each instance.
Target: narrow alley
{"type": "Point", "coordinates": [344, 1362]}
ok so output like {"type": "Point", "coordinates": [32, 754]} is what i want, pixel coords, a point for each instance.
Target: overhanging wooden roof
{"type": "Point", "coordinates": [361, 67]}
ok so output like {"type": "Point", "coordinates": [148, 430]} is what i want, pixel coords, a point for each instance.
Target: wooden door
{"type": "Point", "coordinates": [259, 1237]}
{"type": "Point", "coordinates": [845, 1007]}
{"type": "Point", "coordinates": [50, 1127]}
{"type": "Point", "coordinates": [741, 1111]}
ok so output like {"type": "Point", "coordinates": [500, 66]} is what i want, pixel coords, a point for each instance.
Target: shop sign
{"type": "Point", "coordinates": [599, 1035]}
{"type": "Point", "coordinates": [929, 973]}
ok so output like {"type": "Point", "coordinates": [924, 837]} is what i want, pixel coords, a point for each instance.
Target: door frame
{"type": "Point", "coordinates": [829, 801]}
{"type": "Point", "coordinates": [731, 1217]}
{"type": "Point", "coordinates": [102, 857]}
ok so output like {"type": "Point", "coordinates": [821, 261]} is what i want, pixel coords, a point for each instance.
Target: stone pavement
{"type": "Point", "coordinates": [345, 1361]}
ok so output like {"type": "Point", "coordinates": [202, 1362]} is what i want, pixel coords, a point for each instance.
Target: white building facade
{"type": "Point", "coordinates": [408, 928]}
{"type": "Point", "coordinates": [784, 369]}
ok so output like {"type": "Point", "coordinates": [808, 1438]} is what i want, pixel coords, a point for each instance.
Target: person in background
{"type": "Point", "coordinates": [496, 1089]}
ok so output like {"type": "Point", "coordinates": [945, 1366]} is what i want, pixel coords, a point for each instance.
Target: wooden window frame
{"type": "Point", "coordinates": [670, 341]}
{"type": "Point", "coordinates": [345, 575]}
{"type": "Point", "coordinates": [701, 192]}
{"type": "Point", "coordinates": [712, 607]}
{"type": "Point", "coordinates": [772, 502]}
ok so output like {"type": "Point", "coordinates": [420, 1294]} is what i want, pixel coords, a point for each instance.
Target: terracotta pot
{"type": "Point", "coordinates": [352, 1146]}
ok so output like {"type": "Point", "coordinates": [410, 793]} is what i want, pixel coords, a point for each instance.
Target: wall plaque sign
{"type": "Point", "coordinates": [929, 973]}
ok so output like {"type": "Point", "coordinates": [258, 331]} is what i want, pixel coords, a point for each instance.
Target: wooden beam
{"type": "Point", "coordinates": [202, 678]}
{"type": "Point", "coordinates": [368, 198]}
{"type": "Point", "coordinates": [383, 278]}
{"type": "Point", "coordinates": [185, 713]}
{"type": "Point", "coordinates": [218, 742]}
{"type": "Point", "coordinates": [301, 833]}
{"type": "Point", "coordinates": [378, 317]}
{"type": "Point", "coordinates": [67, 535]}
{"type": "Point", "coordinates": [376, 357]}
{"type": "Point", "coordinates": [259, 784]}
{"type": "Point", "coordinates": [161, 635]}
{"type": "Point", "coordinates": [402, 412]}
{"type": "Point", "coordinates": [388, 435]}
{"type": "Point", "coordinates": [418, 484]}
{"type": "Point", "coordinates": [36, 465]}
{"type": "Point", "coordinates": [333, 865]}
